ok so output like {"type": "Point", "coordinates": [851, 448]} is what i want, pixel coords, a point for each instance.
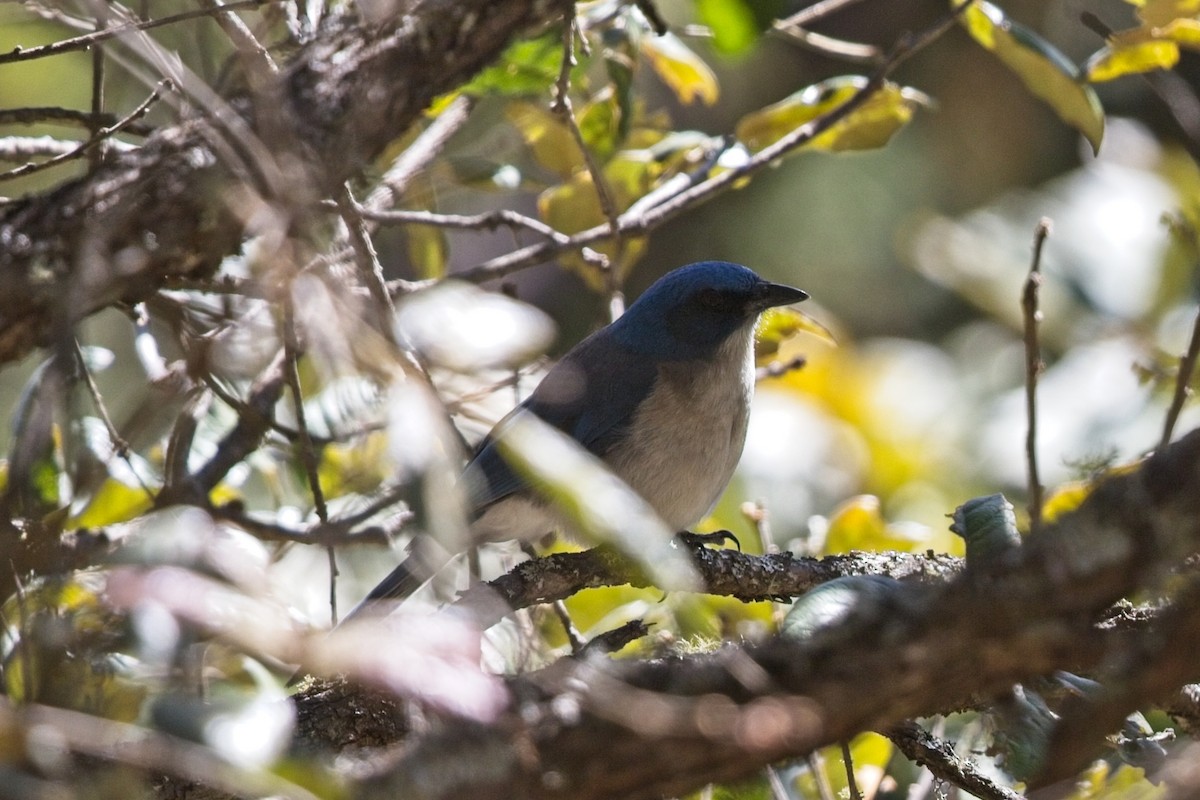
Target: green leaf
{"type": "Point", "coordinates": [869, 126]}
{"type": "Point", "coordinates": [732, 23]}
{"type": "Point", "coordinates": [680, 69]}
{"type": "Point", "coordinates": [1046, 72]}
{"type": "Point", "coordinates": [528, 67]}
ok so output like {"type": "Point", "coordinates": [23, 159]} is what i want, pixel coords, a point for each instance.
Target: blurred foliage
{"type": "Point", "coordinates": [909, 402]}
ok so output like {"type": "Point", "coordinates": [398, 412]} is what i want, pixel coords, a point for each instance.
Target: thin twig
{"type": "Point", "coordinates": [813, 13]}
{"type": "Point", "coordinates": [308, 456]}
{"type": "Point", "coordinates": [1033, 367]}
{"type": "Point", "coordinates": [87, 40]}
{"type": "Point", "coordinates": [489, 220]}
{"type": "Point", "coordinates": [851, 783]}
{"type": "Point", "coordinates": [242, 37]}
{"type": "Point", "coordinates": [99, 136]}
{"type": "Point", "coordinates": [98, 83]}
{"type": "Point", "coordinates": [417, 156]}
{"type": "Point", "coordinates": [777, 369]}
{"type": "Point", "coordinates": [1187, 365]}
{"type": "Point", "coordinates": [650, 12]}
{"type": "Point", "coordinates": [563, 109]}
{"type": "Point", "coordinates": [35, 115]}
{"type": "Point", "coordinates": [369, 268]}
{"type": "Point", "coordinates": [830, 46]}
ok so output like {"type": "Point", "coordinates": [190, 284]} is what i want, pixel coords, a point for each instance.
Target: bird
{"type": "Point", "coordinates": [661, 395]}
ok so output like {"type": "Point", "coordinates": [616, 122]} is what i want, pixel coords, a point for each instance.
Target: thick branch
{"type": "Point", "coordinates": [647, 729]}
{"type": "Point", "coordinates": [167, 209]}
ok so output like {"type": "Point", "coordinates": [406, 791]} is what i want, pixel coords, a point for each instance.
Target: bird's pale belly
{"type": "Point", "coordinates": [696, 426]}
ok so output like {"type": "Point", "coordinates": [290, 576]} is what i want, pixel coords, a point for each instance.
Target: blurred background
{"type": "Point", "coordinates": [915, 254]}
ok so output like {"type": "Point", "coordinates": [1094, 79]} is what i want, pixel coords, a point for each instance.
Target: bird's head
{"type": "Point", "coordinates": [691, 311]}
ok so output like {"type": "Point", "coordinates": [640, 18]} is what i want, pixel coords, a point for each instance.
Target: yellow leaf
{"type": "Point", "coordinates": [680, 69]}
{"type": "Point", "coordinates": [869, 126]}
{"type": "Point", "coordinates": [552, 145]}
{"type": "Point", "coordinates": [1163, 12]}
{"type": "Point", "coordinates": [777, 325]}
{"type": "Point", "coordinates": [1127, 57]}
{"type": "Point", "coordinates": [1046, 73]}
{"type": "Point", "coordinates": [113, 502]}
{"type": "Point", "coordinates": [858, 524]}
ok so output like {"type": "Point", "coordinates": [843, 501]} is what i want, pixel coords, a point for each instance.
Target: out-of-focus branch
{"type": "Point", "coordinates": [175, 208]}
{"type": "Point", "coordinates": [646, 729]}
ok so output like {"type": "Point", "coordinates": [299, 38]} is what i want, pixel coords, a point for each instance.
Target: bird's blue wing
{"type": "Point", "coordinates": [591, 395]}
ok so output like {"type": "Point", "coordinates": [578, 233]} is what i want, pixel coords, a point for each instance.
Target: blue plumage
{"type": "Point", "coordinates": [661, 395]}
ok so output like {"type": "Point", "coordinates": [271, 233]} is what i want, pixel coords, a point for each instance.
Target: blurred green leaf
{"type": "Point", "coordinates": [858, 524]}
{"type": "Point", "coordinates": [684, 72]}
{"type": "Point", "coordinates": [732, 23]}
{"type": "Point", "coordinates": [1046, 72]}
{"type": "Point", "coordinates": [549, 140]}
{"type": "Point", "coordinates": [869, 126]}
{"type": "Point", "coordinates": [527, 67]}
{"type": "Point", "coordinates": [600, 123]}
{"type": "Point", "coordinates": [427, 249]}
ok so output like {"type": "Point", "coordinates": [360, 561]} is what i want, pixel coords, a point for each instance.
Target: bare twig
{"type": "Point", "coordinates": [369, 268]}
{"type": "Point", "coordinates": [97, 82]}
{"type": "Point", "coordinates": [563, 109]}
{"type": "Point", "coordinates": [242, 37]}
{"type": "Point", "coordinates": [777, 369]}
{"type": "Point", "coordinates": [650, 12]}
{"type": "Point", "coordinates": [851, 783]}
{"type": "Point", "coordinates": [96, 138]}
{"type": "Point", "coordinates": [1033, 367]}
{"type": "Point", "coordinates": [34, 115]}
{"type": "Point", "coordinates": [1187, 366]}
{"type": "Point", "coordinates": [417, 156]}
{"type": "Point", "coordinates": [87, 40]}
{"type": "Point", "coordinates": [812, 13]}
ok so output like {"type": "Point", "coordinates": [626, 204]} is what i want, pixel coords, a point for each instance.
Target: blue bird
{"type": "Point", "coordinates": [662, 396]}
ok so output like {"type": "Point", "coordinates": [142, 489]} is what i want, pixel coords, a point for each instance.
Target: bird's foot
{"type": "Point", "coordinates": [706, 539]}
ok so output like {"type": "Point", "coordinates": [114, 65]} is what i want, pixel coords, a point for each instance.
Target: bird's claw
{"type": "Point", "coordinates": [706, 539]}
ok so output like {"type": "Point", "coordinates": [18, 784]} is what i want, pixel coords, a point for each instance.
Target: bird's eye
{"type": "Point", "coordinates": [710, 299]}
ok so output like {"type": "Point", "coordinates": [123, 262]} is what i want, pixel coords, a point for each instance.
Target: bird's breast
{"type": "Point", "coordinates": [686, 437]}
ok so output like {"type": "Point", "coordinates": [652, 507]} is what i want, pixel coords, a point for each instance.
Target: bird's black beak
{"type": "Point", "coordinates": [768, 295]}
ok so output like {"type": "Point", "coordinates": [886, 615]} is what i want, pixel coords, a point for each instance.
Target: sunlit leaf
{"type": "Point", "coordinates": [1046, 72]}
{"type": "Point", "coordinates": [1128, 55]}
{"type": "Point", "coordinates": [684, 72]}
{"type": "Point", "coordinates": [1143, 49]}
{"type": "Point", "coordinates": [871, 125]}
{"type": "Point", "coordinates": [1163, 12]}
{"type": "Point", "coordinates": [732, 23]}
{"type": "Point", "coordinates": [596, 503]}
{"type": "Point", "coordinates": [574, 206]}
{"type": "Point", "coordinates": [464, 328]}
{"type": "Point", "coordinates": [547, 137]}
{"type": "Point", "coordinates": [858, 524]}
{"type": "Point", "coordinates": [427, 249]}
{"type": "Point", "coordinates": [115, 501]}
{"type": "Point", "coordinates": [600, 123]}
{"type": "Point", "coordinates": [777, 325]}
{"type": "Point", "coordinates": [357, 467]}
